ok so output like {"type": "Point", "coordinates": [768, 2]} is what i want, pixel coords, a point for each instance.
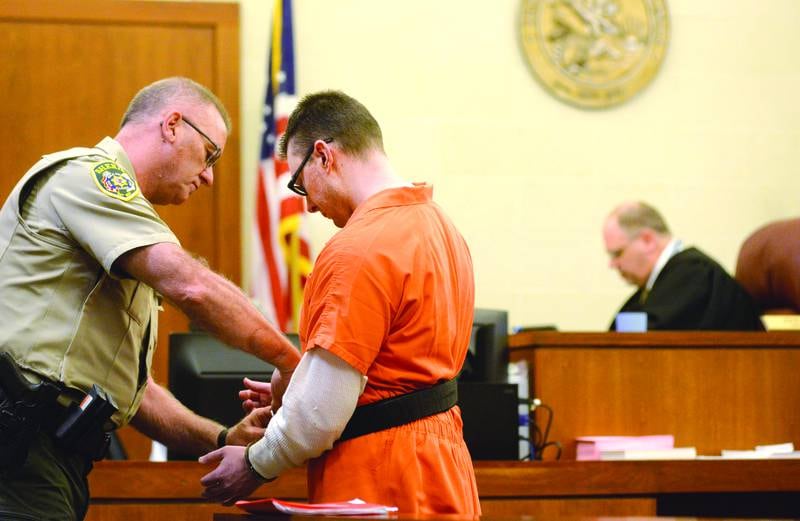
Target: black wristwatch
{"type": "Point", "coordinates": [222, 438]}
{"type": "Point", "coordinates": [252, 468]}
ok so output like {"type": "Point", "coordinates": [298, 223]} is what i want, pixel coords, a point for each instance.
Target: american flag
{"type": "Point", "coordinates": [281, 257]}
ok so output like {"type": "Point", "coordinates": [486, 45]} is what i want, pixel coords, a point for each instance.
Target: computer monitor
{"type": "Point", "coordinates": [489, 405]}
{"type": "Point", "coordinates": [487, 357]}
{"type": "Point", "coordinates": [489, 411]}
{"type": "Point", "coordinates": [206, 376]}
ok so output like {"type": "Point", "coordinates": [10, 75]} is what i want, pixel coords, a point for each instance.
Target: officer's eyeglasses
{"type": "Point", "coordinates": [293, 185]}
{"type": "Point", "coordinates": [213, 156]}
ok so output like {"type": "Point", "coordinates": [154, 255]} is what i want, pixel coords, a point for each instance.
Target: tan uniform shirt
{"type": "Point", "coordinates": [64, 314]}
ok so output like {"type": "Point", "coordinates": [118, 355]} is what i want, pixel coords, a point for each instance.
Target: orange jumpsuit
{"type": "Point", "coordinates": [393, 295]}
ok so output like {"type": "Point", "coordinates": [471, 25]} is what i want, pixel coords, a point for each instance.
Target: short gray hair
{"type": "Point", "coordinates": [633, 218]}
{"type": "Point", "coordinates": [154, 96]}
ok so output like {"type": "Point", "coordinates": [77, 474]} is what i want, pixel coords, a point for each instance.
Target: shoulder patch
{"type": "Point", "coordinates": [113, 180]}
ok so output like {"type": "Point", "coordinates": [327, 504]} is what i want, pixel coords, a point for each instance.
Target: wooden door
{"type": "Point", "coordinates": [70, 67]}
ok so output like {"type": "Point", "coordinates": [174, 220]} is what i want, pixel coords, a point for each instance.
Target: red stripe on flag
{"type": "Point", "coordinates": [292, 205]}
{"type": "Point", "coordinates": [270, 256]}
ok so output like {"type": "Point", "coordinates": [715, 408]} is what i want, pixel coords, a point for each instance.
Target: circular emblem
{"type": "Point", "coordinates": [114, 181]}
{"type": "Point", "coordinates": [594, 53]}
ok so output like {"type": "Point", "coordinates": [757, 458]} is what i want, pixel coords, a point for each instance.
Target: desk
{"type": "Point", "coordinates": [128, 490]}
{"type": "Point", "coordinates": [712, 390]}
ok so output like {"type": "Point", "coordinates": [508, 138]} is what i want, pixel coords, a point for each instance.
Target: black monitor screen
{"type": "Point", "coordinates": [487, 357]}
{"type": "Point", "coordinates": [206, 375]}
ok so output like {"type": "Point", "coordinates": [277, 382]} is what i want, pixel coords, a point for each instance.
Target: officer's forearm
{"type": "Point", "coordinates": [210, 300]}
{"type": "Point", "coordinates": [162, 417]}
{"type": "Point", "coordinates": [221, 308]}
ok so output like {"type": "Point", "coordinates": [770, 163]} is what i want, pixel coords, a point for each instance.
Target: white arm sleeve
{"type": "Point", "coordinates": [318, 403]}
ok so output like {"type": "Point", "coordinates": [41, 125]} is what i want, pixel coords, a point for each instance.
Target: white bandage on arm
{"type": "Point", "coordinates": [318, 403]}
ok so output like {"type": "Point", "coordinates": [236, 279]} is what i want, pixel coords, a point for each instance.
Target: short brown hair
{"type": "Point", "coordinates": [335, 115]}
{"type": "Point", "coordinates": [157, 94]}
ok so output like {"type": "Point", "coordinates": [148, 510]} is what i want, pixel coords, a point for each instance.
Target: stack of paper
{"type": "Point", "coordinates": [781, 322]}
{"type": "Point", "coordinates": [592, 447]}
{"type": "Point", "coordinates": [780, 450]}
{"type": "Point", "coordinates": [341, 508]}
{"type": "Point", "coordinates": [655, 454]}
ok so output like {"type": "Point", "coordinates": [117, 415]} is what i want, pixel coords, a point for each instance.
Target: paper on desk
{"type": "Point", "coordinates": [340, 508]}
{"type": "Point", "coordinates": [778, 448]}
{"type": "Point", "coordinates": [653, 454]}
{"type": "Point", "coordinates": [591, 447]}
{"type": "Point", "coordinates": [761, 452]}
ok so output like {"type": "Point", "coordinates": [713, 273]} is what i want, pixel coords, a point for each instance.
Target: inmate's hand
{"type": "Point", "coordinates": [256, 394]}
{"type": "Point", "coordinates": [231, 480]}
{"type": "Point", "coordinates": [251, 427]}
{"type": "Point", "coordinates": [261, 394]}
{"type": "Point", "coordinates": [280, 381]}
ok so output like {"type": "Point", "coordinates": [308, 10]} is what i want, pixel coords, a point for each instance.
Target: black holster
{"type": "Point", "coordinates": [23, 409]}
{"type": "Point", "coordinates": [26, 409]}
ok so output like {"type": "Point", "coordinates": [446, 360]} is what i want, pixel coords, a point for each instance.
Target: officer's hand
{"type": "Point", "coordinates": [250, 428]}
{"type": "Point", "coordinates": [231, 480]}
{"type": "Point", "coordinates": [256, 394]}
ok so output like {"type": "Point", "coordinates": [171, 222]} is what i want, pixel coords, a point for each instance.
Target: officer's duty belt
{"type": "Point", "coordinates": [93, 441]}
{"type": "Point", "coordinates": [399, 410]}
{"type": "Point", "coordinates": [26, 409]}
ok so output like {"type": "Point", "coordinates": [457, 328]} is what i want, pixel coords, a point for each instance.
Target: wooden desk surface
{"type": "Point", "coordinates": [118, 480]}
{"type": "Point", "coordinates": [137, 490]}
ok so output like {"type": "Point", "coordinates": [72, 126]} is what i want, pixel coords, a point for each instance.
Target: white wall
{"type": "Point", "coordinates": [711, 142]}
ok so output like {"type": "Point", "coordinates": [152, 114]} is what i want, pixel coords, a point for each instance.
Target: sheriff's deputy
{"type": "Point", "coordinates": [84, 258]}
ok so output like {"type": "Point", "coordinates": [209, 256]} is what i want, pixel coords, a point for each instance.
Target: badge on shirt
{"type": "Point", "coordinates": [113, 180]}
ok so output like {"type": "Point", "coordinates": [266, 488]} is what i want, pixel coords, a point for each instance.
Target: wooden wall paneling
{"type": "Point", "coordinates": [70, 68]}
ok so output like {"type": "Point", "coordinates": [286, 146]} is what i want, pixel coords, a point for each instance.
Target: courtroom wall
{"type": "Point", "coordinates": [712, 141]}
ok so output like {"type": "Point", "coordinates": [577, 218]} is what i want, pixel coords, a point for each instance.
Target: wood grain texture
{"type": "Point", "coordinates": [520, 342]}
{"type": "Point", "coordinates": [713, 391]}
{"type": "Point", "coordinates": [70, 69]}
{"type": "Point", "coordinates": [130, 480]}
{"type": "Point", "coordinates": [574, 507]}
{"type": "Point", "coordinates": [171, 491]}
{"type": "Point", "coordinates": [173, 480]}
{"type": "Point", "coordinates": [622, 478]}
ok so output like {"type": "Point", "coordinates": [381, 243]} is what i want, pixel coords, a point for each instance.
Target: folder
{"type": "Point", "coordinates": [341, 508]}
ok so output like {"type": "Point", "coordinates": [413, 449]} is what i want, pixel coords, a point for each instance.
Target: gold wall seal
{"type": "Point", "coordinates": [594, 53]}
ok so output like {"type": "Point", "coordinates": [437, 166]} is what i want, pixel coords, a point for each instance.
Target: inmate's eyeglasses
{"type": "Point", "coordinates": [213, 156]}
{"type": "Point", "coordinates": [293, 185]}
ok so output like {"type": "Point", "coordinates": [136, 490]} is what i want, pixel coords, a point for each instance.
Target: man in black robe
{"type": "Point", "coordinates": [679, 289]}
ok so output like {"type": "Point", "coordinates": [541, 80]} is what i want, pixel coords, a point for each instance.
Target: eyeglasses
{"type": "Point", "coordinates": [619, 252]}
{"type": "Point", "coordinates": [213, 157]}
{"type": "Point", "coordinates": [293, 185]}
